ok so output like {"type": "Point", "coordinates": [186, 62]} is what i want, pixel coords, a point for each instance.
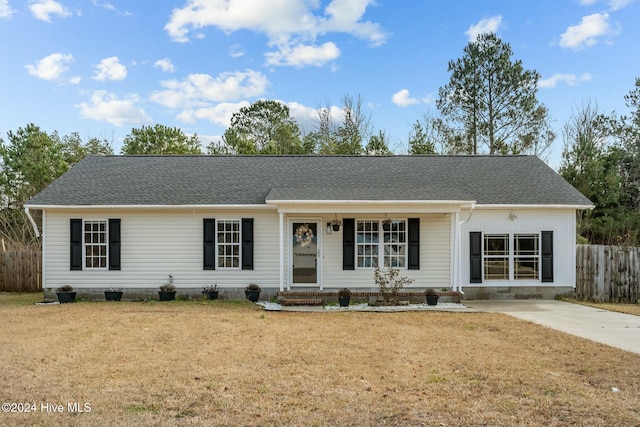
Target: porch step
{"type": "Point", "coordinates": [302, 301]}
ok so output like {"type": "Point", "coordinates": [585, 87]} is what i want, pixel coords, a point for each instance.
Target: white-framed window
{"type": "Point", "coordinates": [95, 247]}
{"type": "Point", "coordinates": [496, 257]}
{"type": "Point", "coordinates": [368, 243]}
{"type": "Point", "coordinates": [526, 257]}
{"type": "Point", "coordinates": [228, 243]}
{"type": "Point", "coordinates": [395, 244]}
{"type": "Point", "coordinates": [374, 243]}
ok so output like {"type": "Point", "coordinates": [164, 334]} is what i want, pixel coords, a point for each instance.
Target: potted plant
{"type": "Point", "coordinates": [211, 291]}
{"type": "Point", "coordinates": [344, 297]}
{"type": "Point", "coordinates": [167, 292]}
{"type": "Point", "coordinates": [432, 296]}
{"type": "Point", "coordinates": [252, 292]}
{"type": "Point", "coordinates": [336, 223]}
{"type": "Point", "coordinates": [66, 294]}
{"type": "Point", "coordinates": [386, 224]}
{"type": "Point", "coordinates": [113, 294]}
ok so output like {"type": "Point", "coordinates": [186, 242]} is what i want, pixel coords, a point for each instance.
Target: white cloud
{"type": "Point", "coordinates": [5, 9]}
{"type": "Point", "coordinates": [289, 24]}
{"type": "Point", "coordinates": [613, 4]}
{"type": "Point", "coordinates": [110, 69]}
{"type": "Point", "coordinates": [105, 5]}
{"type": "Point", "coordinates": [569, 79]}
{"type": "Point", "coordinates": [165, 65]}
{"type": "Point", "coordinates": [107, 107]}
{"type": "Point", "coordinates": [236, 51]}
{"type": "Point", "coordinates": [619, 4]}
{"type": "Point", "coordinates": [486, 25]}
{"type": "Point", "coordinates": [587, 32]}
{"type": "Point", "coordinates": [402, 98]}
{"type": "Point", "coordinates": [51, 67]}
{"type": "Point", "coordinates": [75, 80]}
{"type": "Point", "coordinates": [302, 55]}
{"type": "Point", "coordinates": [219, 114]}
{"type": "Point", "coordinates": [203, 89]}
{"type": "Point", "coordinates": [43, 9]}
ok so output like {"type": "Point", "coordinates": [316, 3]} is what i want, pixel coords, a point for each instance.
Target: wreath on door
{"type": "Point", "coordinates": [304, 235]}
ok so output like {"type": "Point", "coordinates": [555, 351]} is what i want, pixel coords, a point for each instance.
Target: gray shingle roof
{"type": "Point", "coordinates": [220, 180]}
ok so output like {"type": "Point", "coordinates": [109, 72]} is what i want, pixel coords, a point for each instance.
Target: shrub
{"type": "Point", "coordinates": [390, 282]}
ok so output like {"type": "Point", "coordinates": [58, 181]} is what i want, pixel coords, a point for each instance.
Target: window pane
{"type": "Point", "coordinates": [496, 244]}
{"type": "Point", "coordinates": [526, 268]}
{"type": "Point", "coordinates": [95, 244]}
{"type": "Point", "coordinates": [496, 269]}
{"type": "Point", "coordinates": [526, 257]}
{"type": "Point", "coordinates": [228, 238]}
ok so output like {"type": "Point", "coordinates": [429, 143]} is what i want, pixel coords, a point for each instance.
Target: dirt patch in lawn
{"type": "Point", "coordinates": [216, 363]}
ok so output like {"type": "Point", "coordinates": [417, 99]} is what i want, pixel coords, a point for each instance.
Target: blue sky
{"type": "Point", "coordinates": [102, 67]}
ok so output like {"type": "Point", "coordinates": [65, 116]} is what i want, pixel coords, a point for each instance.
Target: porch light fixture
{"type": "Point", "coordinates": [328, 228]}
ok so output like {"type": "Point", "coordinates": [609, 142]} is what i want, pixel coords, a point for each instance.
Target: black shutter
{"type": "Point", "coordinates": [475, 260]}
{"type": "Point", "coordinates": [209, 244]}
{"type": "Point", "coordinates": [414, 244]}
{"type": "Point", "coordinates": [247, 243]}
{"type": "Point", "coordinates": [547, 256]}
{"type": "Point", "coordinates": [75, 232]}
{"type": "Point", "coordinates": [348, 243]}
{"type": "Point", "coordinates": [114, 244]}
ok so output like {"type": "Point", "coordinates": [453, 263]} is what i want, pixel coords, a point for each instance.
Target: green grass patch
{"type": "Point", "coordinates": [21, 298]}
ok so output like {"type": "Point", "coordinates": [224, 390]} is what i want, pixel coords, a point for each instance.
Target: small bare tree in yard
{"type": "Point", "coordinates": [390, 283]}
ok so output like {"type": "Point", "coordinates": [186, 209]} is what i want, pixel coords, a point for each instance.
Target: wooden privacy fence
{"type": "Point", "coordinates": [20, 271]}
{"type": "Point", "coordinates": [607, 273]}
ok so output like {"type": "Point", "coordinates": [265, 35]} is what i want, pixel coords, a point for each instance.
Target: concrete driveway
{"type": "Point", "coordinates": [607, 327]}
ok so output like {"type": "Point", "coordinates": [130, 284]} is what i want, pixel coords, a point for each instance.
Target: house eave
{"type": "Point", "coordinates": [155, 207]}
{"type": "Point", "coordinates": [462, 203]}
{"type": "Point", "coordinates": [534, 206]}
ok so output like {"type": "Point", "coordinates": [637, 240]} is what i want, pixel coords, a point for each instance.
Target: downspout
{"type": "Point", "coordinates": [31, 220]}
{"type": "Point", "coordinates": [459, 242]}
{"type": "Point", "coordinates": [281, 227]}
{"type": "Point", "coordinates": [35, 230]}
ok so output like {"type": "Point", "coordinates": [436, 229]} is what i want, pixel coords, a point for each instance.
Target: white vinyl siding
{"type": "Point", "coordinates": [523, 222]}
{"type": "Point", "coordinates": [435, 255]}
{"type": "Point", "coordinates": [156, 243]}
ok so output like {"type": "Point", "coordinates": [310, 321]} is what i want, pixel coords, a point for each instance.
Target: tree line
{"type": "Point", "coordinates": [489, 106]}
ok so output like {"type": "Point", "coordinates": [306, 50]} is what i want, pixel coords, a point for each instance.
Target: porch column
{"type": "Point", "coordinates": [281, 220]}
{"type": "Point", "coordinates": [453, 247]}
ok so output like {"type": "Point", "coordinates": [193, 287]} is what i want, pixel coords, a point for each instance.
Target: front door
{"type": "Point", "coordinates": [305, 249]}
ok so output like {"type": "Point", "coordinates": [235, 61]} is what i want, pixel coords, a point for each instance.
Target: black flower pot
{"type": "Point", "coordinates": [167, 295]}
{"type": "Point", "coordinates": [344, 301]}
{"type": "Point", "coordinates": [336, 227]}
{"type": "Point", "coordinates": [386, 227]}
{"type": "Point", "coordinates": [252, 296]}
{"type": "Point", "coordinates": [66, 297]}
{"type": "Point", "coordinates": [113, 295]}
{"type": "Point", "coordinates": [432, 299]}
{"type": "Point", "coordinates": [212, 294]}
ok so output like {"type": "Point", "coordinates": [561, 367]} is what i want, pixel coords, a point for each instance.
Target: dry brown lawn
{"type": "Point", "coordinates": [222, 363]}
{"type": "Point", "coordinates": [622, 308]}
